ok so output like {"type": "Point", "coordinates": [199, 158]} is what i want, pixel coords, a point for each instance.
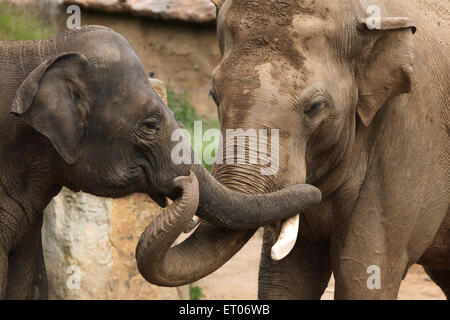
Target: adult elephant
{"type": "Point", "coordinates": [362, 105]}
{"type": "Point", "coordinates": [78, 111]}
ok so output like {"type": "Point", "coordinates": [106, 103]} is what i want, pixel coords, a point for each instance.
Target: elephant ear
{"type": "Point", "coordinates": [54, 100]}
{"type": "Point", "coordinates": [386, 69]}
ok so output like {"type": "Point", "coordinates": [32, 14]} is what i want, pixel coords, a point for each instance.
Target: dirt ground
{"type": "Point", "coordinates": [237, 279]}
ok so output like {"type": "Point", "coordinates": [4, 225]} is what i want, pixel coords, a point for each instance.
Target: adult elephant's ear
{"type": "Point", "coordinates": [385, 70]}
{"type": "Point", "coordinates": [54, 100]}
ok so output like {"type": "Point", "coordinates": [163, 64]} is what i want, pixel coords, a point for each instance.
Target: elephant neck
{"type": "Point", "coordinates": [23, 204]}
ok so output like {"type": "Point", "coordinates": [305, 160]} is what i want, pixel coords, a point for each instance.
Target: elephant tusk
{"type": "Point", "coordinates": [191, 226]}
{"type": "Point", "coordinates": [286, 240]}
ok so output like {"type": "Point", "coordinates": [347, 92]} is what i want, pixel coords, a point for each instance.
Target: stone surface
{"type": "Point", "coordinates": [199, 11]}
{"type": "Point", "coordinates": [89, 245]}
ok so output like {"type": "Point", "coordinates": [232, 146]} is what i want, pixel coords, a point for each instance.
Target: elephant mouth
{"type": "Point", "coordinates": [159, 197]}
{"type": "Point", "coordinates": [156, 191]}
{"type": "Point", "coordinates": [151, 190]}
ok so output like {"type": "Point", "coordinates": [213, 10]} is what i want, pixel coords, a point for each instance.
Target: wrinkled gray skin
{"type": "Point", "coordinates": [78, 111]}
{"type": "Point", "coordinates": [364, 115]}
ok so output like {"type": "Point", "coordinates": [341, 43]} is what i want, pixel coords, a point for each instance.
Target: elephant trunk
{"type": "Point", "coordinates": [210, 246]}
{"type": "Point", "coordinates": [229, 220]}
{"type": "Point", "coordinates": [226, 208]}
{"type": "Point", "coordinates": [157, 238]}
{"type": "Point", "coordinates": [203, 252]}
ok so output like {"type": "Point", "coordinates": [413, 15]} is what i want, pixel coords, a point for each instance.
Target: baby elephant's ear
{"type": "Point", "coordinates": [386, 64]}
{"type": "Point", "coordinates": [54, 100]}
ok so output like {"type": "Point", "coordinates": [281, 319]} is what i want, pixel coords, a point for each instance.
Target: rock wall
{"type": "Point", "coordinates": [199, 11]}
{"type": "Point", "coordinates": [89, 245]}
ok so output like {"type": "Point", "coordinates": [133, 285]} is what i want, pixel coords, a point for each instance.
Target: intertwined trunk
{"type": "Point", "coordinates": [210, 246]}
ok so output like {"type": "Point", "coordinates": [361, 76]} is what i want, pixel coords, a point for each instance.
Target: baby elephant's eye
{"type": "Point", "coordinates": [316, 106]}
{"type": "Point", "coordinates": [150, 125]}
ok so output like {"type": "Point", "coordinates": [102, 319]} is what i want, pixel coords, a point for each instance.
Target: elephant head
{"type": "Point", "coordinates": [112, 135]}
{"type": "Point", "coordinates": [316, 71]}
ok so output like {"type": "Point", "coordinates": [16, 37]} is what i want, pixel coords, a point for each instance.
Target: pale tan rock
{"type": "Point", "coordinates": [199, 11]}
{"type": "Point", "coordinates": [130, 216]}
{"type": "Point", "coordinates": [160, 88]}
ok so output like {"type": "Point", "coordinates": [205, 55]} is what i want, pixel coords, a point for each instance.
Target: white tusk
{"type": "Point", "coordinates": [194, 222]}
{"type": "Point", "coordinates": [286, 240]}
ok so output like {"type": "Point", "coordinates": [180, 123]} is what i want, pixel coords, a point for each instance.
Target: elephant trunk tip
{"type": "Point", "coordinates": [311, 193]}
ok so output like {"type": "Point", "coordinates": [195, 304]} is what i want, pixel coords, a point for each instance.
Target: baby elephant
{"type": "Point", "coordinates": [78, 111]}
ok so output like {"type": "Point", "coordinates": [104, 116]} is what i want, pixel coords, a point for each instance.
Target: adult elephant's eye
{"type": "Point", "coordinates": [316, 106]}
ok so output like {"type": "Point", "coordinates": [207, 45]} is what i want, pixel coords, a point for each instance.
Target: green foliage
{"type": "Point", "coordinates": [195, 293]}
{"type": "Point", "coordinates": [184, 111]}
{"type": "Point", "coordinates": [21, 24]}
{"type": "Point", "coordinates": [180, 104]}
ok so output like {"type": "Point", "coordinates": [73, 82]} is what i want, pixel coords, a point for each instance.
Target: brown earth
{"type": "Point", "coordinates": [238, 279]}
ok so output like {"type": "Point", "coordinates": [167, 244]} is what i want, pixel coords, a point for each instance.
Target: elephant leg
{"type": "Point", "coordinates": [380, 281]}
{"type": "Point", "coordinates": [27, 278]}
{"type": "Point", "coordinates": [441, 278]}
{"type": "Point", "coordinates": [303, 274]}
{"type": "Point", "coordinates": [3, 274]}
{"type": "Point", "coordinates": [365, 265]}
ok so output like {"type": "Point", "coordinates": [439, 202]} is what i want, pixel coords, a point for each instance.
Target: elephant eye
{"type": "Point", "coordinates": [316, 106]}
{"type": "Point", "coordinates": [150, 125]}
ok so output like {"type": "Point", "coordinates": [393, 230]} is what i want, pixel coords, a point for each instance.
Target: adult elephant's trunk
{"type": "Point", "coordinates": [234, 210]}
{"type": "Point", "coordinates": [207, 249]}
{"type": "Point", "coordinates": [210, 246]}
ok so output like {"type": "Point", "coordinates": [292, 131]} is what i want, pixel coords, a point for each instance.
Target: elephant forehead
{"type": "Point", "coordinates": [262, 99]}
{"type": "Point", "coordinates": [282, 80]}
{"type": "Point", "coordinates": [251, 13]}
{"type": "Point", "coordinates": [257, 32]}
